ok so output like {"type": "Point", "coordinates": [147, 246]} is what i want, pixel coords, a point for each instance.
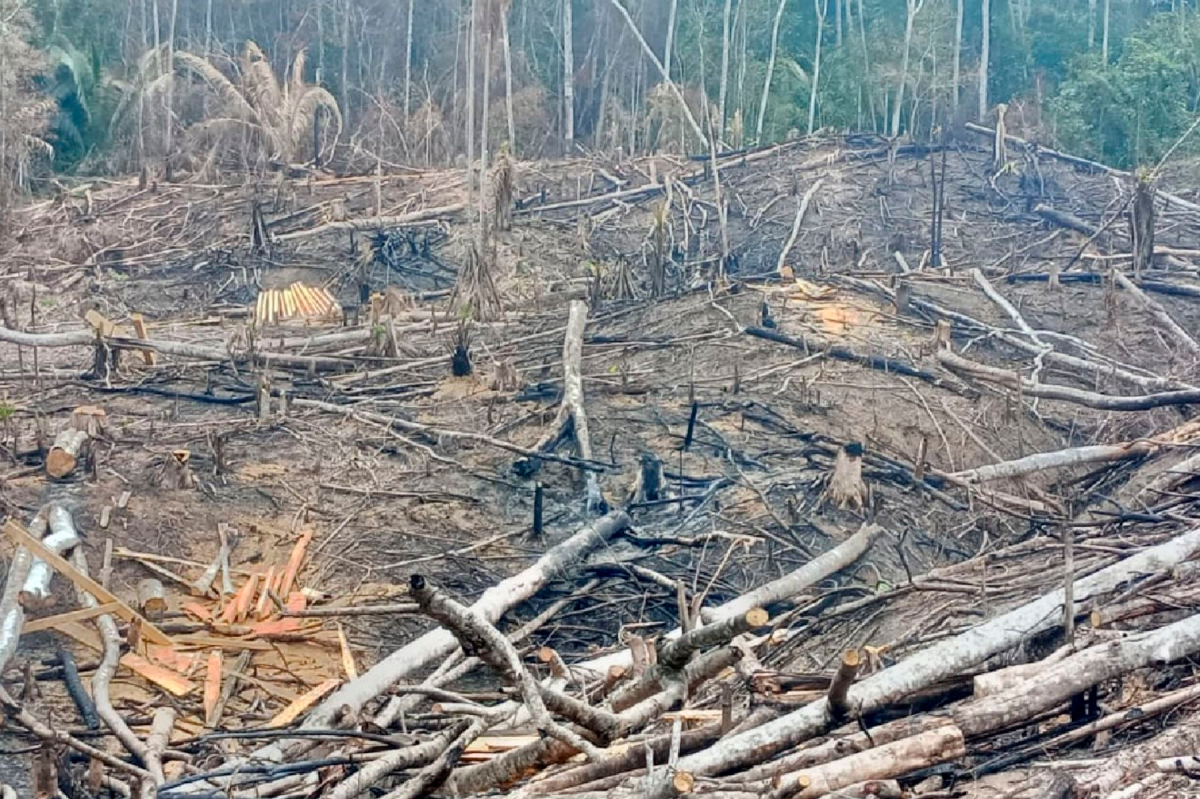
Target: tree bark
{"type": "Point", "coordinates": [508, 83]}
{"type": "Point", "coordinates": [912, 8]}
{"type": "Point", "coordinates": [1160, 314]}
{"type": "Point", "coordinates": [985, 58]}
{"type": "Point", "coordinates": [437, 644]}
{"type": "Point", "coordinates": [65, 453]}
{"type": "Point", "coordinates": [884, 762]}
{"type": "Point", "coordinates": [1104, 34]}
{"type": "Point", "coordinates": [766, 92]}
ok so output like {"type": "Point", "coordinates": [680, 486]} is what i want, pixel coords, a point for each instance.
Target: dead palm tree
{"type": "Point", "coordinates": [280, 115]}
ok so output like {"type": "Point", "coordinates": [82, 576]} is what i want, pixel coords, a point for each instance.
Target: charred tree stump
{"type": "Point", "coordinates": [1141, 226]}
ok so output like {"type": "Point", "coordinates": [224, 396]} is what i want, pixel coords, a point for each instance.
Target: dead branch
{"type": "Point", "coordinates": [480, 638]}
{"type": "Point", "coordinates": [890, 365]}
{"type": "Point", "coordinates": [407, 757]}
{"type": "Point", "coordinates": [496, 601]}
{"type": "Point", "coordinates": [800, 213]}
{"type": "Point", "coordinates": [841, 682]}
{"type": "Point", "coordinates": [1090, 399]}
{"type": "Point", "coordinates": [376, 222]}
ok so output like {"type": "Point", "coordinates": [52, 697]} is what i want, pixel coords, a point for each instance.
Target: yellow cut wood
{"type": "Point", "coordinates": [83, 614]}
{"type": "Point", "coordinates": [297, 708]}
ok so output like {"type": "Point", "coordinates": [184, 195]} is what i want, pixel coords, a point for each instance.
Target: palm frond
{"type": "Point", "coordinates": [236, 104]}
{"type": "Point", "coordinates": [296, 77]}
{"type": "Point", "coordinates": [304, 110]}
{"type": "Point", "coordinates": [261, 85]}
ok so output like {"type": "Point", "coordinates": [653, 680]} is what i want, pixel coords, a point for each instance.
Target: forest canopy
{"type": "Point", "coordinates": [111, 86]}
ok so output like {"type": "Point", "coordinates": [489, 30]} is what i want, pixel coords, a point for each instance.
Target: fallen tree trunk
{"type": "Point", "coordinates": [571, 413]}
{"type": "Point", "coordinates": [375, 222]}
{"type": "Point", "coordinates": [884, 762]}
{"type": "Point", "coordinates": [1067, 158]}
{"type": "Point", "coordinates": [12, 614]}
{"type": "Point", "coordinates": [1089, 399]}
{"type": "Point", "coordinates": [800, 214]}
{"type": "Point", "coordinates": [1158, 312]}
{"type": "Point", "coordinates": [1058, 459]}
{"type": "Point", "coordinates": [64, 454]}
{"type": "Point", "coordinates": [79, 338]}
{"type": "Point", "coordinates": [35, 593]}
{"type": "Point", "coordinates": [939, 661]}
{"type": "Point", "coordinates": [838, 352]}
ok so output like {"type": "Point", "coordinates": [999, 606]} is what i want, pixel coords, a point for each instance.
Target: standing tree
{"type": "Point", "coordinates": [822, 8]}
{"type": "Point", "coordinates": [766, 92]}
{"type": "Point", "coordinates": [408, 48]}
{"type": "Point", "coordinates": [1104, 35]}
{"type": "Point", "coordinates": [671, 20]}
{"type": "Point", "coordinates": [724, 90]}
{"type": "Point", "coordinates": [508, 76]}
{"type": "Point", "coordinates": [984, 57]}
{"type": "Point", "coordinates": [568, 77]}
{"type": "Point", "coordinates": [913, 7]}
{"type": "Point", "coordinates": [958, 34]}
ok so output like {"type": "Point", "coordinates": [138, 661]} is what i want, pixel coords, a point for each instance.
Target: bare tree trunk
{"type": "Point", "coordinates": [641, 40]}
{"type": "Point", "coordinates": [169, 102]}
{"type": "Point", "coordinates": [487, 97]}
{"type": "Point", "coordinates": [508, 91]}
{"type": "Point", "coordinates": [471, 31]}
{"type": "Point", "coordinates": [671, 18]}
{"type": "Point", "coordinates": [408, 45]}
{"type": "Point", "coordinates": [1104, 34]}
{"type": "Point", "coordinates": [822, 9]}
{"type": "Point", "coordinates": [157, 37]}
{"type": "Point", "coordinates": [984, 57]}
{"type": "Point", "coordinates": [723, 93]}
{"type": "Point", "coordinates": [1091, 24]}
{"type": "Point", "coordinates": [345, 86]}
{"type": "Point", "coordinates": [958, 34]}
{"type": "Point", "coordinates": [862, 32]}
{"type": "Point", "coordinates": [766, 92]}
{"type": "Point", "coordinates": [913, 8]}
{"type": "Point", "coordinates": [568, 77]}
{"type": "Point", "coordinates": [837, 23]}
{"type": "Point", "coordinates": [208, 28]}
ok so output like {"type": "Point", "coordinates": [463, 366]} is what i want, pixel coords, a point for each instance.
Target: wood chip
{"type": "Point", "coordinates": [297, 708]}
{"type": "Point", "coordinates": [348, 664]}
{"type": "Point", "coordinates": [212, 687]}
{"type": "Point", "coordinates": [164, 678]}
{"type": "Point", "coordinates": [295, 562]}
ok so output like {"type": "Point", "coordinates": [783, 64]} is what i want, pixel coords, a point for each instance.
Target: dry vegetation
{"type": "Point", "coordinates": [918, 442]}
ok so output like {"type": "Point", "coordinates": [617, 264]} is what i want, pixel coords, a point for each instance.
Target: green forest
{"type": "Point", "coordinates": [112, 86]}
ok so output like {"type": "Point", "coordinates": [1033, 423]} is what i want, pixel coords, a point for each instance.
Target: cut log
{"type": "Point", "coordinates": [1058, 459]}
{"type": "Point", "coordinates": [151, 597]}
{"type": "Point", "coordinates": [840, 685]}
{"type": "Point", "coordinates": [158, 740]}
{"type": "Point", "coordinates": [941, 660]}
{"type": "Point", "coordinates": [35, 593]}
{"type": "Point", "coordinates": [64, 455]}
{"type": "Point", "coordinates": [12, 614]}
{"type": "Point", "coordinates": [882, 763]}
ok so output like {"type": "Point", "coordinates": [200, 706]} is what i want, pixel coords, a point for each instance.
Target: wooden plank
{"type": "Point", "coordinates": [139, 327]}
{"type": "Point", "coordinates": [348, 664]}
{"type": "Point", "coordinates": [161, 676]}
{"type": "Point", "coordinates": [214, 642]}
{"type": "Point", "coordinates": [83, 614]}
{"type": "Point", "coordinates": [212, 687]}
{"type": "Point", "coordinates": [295, 563]}
{"type": "Point", "coordinates": [297, 708]}
{"type": "Point", "coordinates": [22, 538]}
